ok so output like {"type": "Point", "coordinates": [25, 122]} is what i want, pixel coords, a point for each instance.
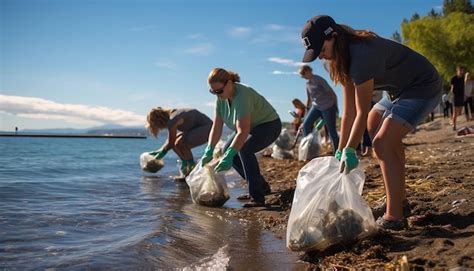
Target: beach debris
{"type": "Point", "coordinates": [280, 154]}
{"type": "Point", "coordinates": [336, 225]}
{"type": "Point", "coordinates": [207, 187]}
{"type": "Point", "coordinates": [327, 207]}
{"type": "Point", "coordinates": [148, 163]}
{"type": "Point", "coordinates": [309, 147]}
{"type": "Point", "coordinates": [285, 140]}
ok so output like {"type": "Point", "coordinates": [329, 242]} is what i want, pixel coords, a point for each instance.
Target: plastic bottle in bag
{"type": "Point", "coordinates": [207, 187]}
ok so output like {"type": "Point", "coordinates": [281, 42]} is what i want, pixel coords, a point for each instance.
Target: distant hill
{"type": "Point", "coordinates": [107, 129]}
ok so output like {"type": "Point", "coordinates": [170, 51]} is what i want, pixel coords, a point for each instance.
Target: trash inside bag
{"type": "Point", "coordinates": [285, 140]}
{"type": "Point", "coordinates": [279, 153]}
{"type": "Point", "coordinates": [148, 163]}
{"type": "Point", "coordinates": [327, 207]}
{"type": "Point", "coordinates": [309, 147]}
{"type": "Point", "coordinates": [207, 187]}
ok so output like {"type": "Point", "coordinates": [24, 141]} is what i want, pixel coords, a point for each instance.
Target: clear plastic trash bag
{"type": "Point", "coordinates": [327, 207]}
{"type": "Point", "coordinates": [148, 163]}
{"type": "Point", "coordinates": [285, 140]}
{"type": "Point", "coordinates": [207, 187]}
{"type": "Point", "coordinates": [279, 153]}
{"type": "Point", "coordinates": [310, 146]}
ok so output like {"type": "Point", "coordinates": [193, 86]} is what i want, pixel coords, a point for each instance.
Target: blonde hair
{"type": "Point", "coordinates": [157, 119]}
{"type": "Point", "coordinates": [220, 75]}
{"type": "Point", "coordinates": [467, 77]}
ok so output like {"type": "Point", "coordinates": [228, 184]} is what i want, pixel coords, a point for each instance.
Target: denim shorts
{"type": "Point", "coordinates": [408, 111]}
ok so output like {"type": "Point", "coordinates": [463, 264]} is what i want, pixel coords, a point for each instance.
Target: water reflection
{"type": "Point", "coordinates": [192, 236]}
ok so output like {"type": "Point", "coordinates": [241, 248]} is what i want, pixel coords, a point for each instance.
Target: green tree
{"type": "Point", "coordinates": [463, 6]}
{"type": "Point", "coordinates": [397, 37]}
{"type": "Point", "coordinates": [446, 41]}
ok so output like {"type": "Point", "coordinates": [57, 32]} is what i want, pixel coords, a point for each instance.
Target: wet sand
{"type": "Point", "coordinates": [440, 189]}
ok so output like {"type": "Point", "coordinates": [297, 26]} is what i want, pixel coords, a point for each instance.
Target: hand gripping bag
{"type": "Point", "coordinates": [327, 207]}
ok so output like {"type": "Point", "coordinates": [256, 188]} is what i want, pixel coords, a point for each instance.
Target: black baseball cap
{"type": "Point", "coordinates": [314, 33]}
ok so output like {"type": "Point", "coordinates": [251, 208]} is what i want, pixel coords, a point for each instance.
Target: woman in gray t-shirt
{"type": "Point", "coordinates": [321, 104]}
{"type": "Point", "coordinates": [187, 128]}
{"type": "Point", "coordinates": [363, 62]}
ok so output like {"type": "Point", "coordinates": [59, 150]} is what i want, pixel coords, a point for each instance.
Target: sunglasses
{"type": "Point", "coordinates": [218, 91]}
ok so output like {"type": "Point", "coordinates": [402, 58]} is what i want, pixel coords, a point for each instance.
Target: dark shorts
{"type": "Point", "coordinates": [196, 136]}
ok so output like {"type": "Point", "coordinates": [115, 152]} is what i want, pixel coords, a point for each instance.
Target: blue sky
{"type": "Point", "coordinates": [82, 63]}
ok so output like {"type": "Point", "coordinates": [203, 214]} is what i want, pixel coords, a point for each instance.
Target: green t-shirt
{"type": "Point", "coordinates": [246, 101]}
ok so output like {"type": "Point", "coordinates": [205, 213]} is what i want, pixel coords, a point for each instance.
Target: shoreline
{"type": "Point", "coordinates": [72, 136]}
{"type": "Point", "coordinates": [440, 184]}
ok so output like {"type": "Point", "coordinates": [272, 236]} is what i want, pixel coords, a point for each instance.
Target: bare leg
{"type": "Point", "coordinates": [183, 151]}
{"type": "Point", "coordinates": [457, 112]}
{"type": "Point", "coordinates": [390, 153]}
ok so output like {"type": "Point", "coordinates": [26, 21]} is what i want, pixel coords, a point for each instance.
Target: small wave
{"type": "Point", "coordinates": [218, 261]}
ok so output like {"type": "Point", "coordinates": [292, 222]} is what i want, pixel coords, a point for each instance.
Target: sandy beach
{"type": "Point", "coordinates": [440, 189]}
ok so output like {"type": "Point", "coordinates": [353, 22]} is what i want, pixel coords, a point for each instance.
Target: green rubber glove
{"type": "Point", "coordinates": [187, 166]}
{"type": "Point", "coordinates": [207, 157]}
{"type": "Point", "coordinates": [320, 124]}
{"type": "Point", "coordinates": [349, 160]}
{"type": "Point", "coordinates": [226, 162]}
{"type": "Point", "coordinates": [160, 154]}
{"type": "Point", "coordinates": [338, 155]}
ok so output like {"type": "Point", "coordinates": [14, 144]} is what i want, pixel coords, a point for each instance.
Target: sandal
{"type": "Point", "coordinates": [381, 209]}
{"type": "Point", "coordinates": [253, 203]}
{"type": "Point", "coordinates": [243, 197]}
{"type": "Point", "coordinates": [394, 225]}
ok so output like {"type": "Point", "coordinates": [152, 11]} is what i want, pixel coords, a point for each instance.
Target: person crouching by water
{"type": "Point", "coordinates": [363, 62]}
{"type": "Point", "coordinates": [255, 123]}
{"type": "Point", "coordinates": [322, 103]}
{"type": "Point", "coordinates": [187, 128]}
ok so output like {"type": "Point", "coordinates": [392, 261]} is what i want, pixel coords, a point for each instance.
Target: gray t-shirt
{"type": "Point", "coordinates": [394, 68]}
{"type": "Point", "coordinates": [192, 119]}
{"type": "Point", "coordinates": [321, 94]}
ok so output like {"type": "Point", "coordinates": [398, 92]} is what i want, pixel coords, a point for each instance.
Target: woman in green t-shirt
{"type": "Point", "coordinates": [255, 123]}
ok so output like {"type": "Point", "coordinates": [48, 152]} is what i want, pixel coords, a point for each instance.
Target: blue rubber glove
{"type": "Point", "coordinates": [349, 160]}
{"type": "Point", "coordinates": [158, 154]}
{"type": "Point", "coordinates": [207, 157]}
{"type": "Point", "coordinates": [226, 162]}
{"type": "Point", "coordinates": [338, 155]}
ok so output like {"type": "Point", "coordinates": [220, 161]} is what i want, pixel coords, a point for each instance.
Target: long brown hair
{"type": "Point", "coordinates": [220, 75]}
{"type": "Point", "coordinates": [339, 66]}
{"type": "Point", "coordinates": [157, 119]}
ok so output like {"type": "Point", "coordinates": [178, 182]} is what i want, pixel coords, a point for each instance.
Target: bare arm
{"type": "Point", "coordinates": [172, 136]}
{"type": "Point", "coordinates": [348, 114]}
{"type": "Point", "coordinates": [216, 131]}
{"type": "Point", "coordinates": [363, 96]}
{"type": "Point", "coordinates": [243, 129]}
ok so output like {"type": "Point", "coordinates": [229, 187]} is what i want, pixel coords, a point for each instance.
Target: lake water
{"type": "Point", "coordinates": [83, 203]}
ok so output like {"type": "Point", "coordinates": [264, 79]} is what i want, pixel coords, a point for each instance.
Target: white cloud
{"type": "Point", "coordinates": [166, 65]}
{"type": "Point", "coordinates": [38, 108]}
{"type": "Point", "coordinates": [203, 49]}
{"type": "Point", "coordinates": [240, 32]}
{"type": "Point", "coordinates": [211, 104]}
{"type": "Point", "coordinates": [277, 72]}
{"type": "Point", "coordinates": [273, 27]}
{"type": "Point", "coordinates": [285, 61]}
